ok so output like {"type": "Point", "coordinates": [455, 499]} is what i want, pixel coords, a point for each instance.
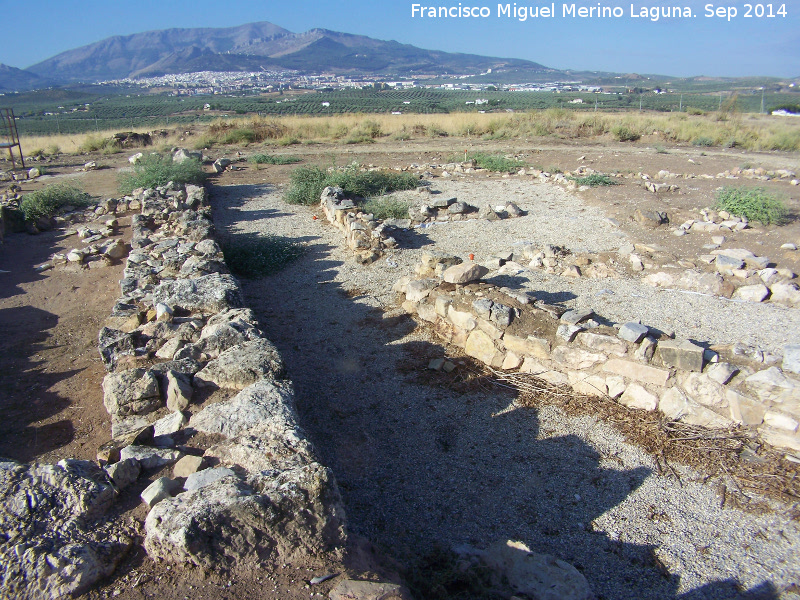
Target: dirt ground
{"type": "Point", "coordinates": [50, 371]}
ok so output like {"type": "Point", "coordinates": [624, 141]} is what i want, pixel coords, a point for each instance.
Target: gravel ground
{"type": "Point", "coordinates": [420, 465]}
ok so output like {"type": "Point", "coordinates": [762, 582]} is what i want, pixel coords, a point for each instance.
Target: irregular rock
{"type": "Point", "coordinates": [172, 423]}
{"type": "Point", "coordinates": [530, 346]}
{"type": "Point", "coordinates": [633, 332]}
{"type": "Point", "coordinates": [602, 343]}
{"type": "Point", "coordinates": [481, 346]}
{"type": "Point", "coordinates": [575, 358]}
{"type": "Point", "coordinates": [791, 358]}
{"type": "Point", "coordinates": [207, 294]}
{"type": "Point", "coordinates": [771, 385]}
{"type": "Point", "coordinates": [635, 396]}
{"type": "Point", "coordinates": [132, 392]}
{"type": "Point", "coordinates": [745, 410]}
{"type": "Point", "coordinates": [288, 516]}
{"type": "Point", "coordinates": [573, 317]}
{"type": "Point", "coordinates": [589, 385]}
{"type": "Point", "coordinates": [786, 293]}
{"type": "Point", "coordinates": [636, 371]}
{"type": "Point", "coordinates": [151, 458]}
{"type": "Point", "coordinates": [187, 465]}
{"type": "Point", "coordinates": [540, 576]}
{"type": "Point", "coordinates": [179, 391]}
{"type": "Point", "coordinates": [124, 472]}
{"type": "Point", "coordinates": [704, 390]}
{"type": "Point", "coordinates": [261, 402]}
{"type": "Point", "coordinates": [242, 366]}
{"type": "Point", "coordinates": [464, 273]}
{"type": "Point", "coordinates": [752, 293]}
{"type": "Point", "coordinates": [418, 289]}
{"type": "Point", "coordinates": [114, 344]}
{"type": "Point", "coordinates": [159, 490]}
{"type": "Point", "coordinates": [721, 372]}
{"type": "Point", "coordinates": [200, 479]}
{"type": "Point", "coordinates": [568, 332]}
{"type": "Point", "coordinates": [349, 589]}
{"type": "Point", "coordinates": [650, 219]}
{"type": "Point", "coordinates": [52, 543]}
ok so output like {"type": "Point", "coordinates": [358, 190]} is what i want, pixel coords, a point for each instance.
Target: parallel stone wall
{"type": "Point", "coordinates": [635, 365]}
{"type": "Point", "coordinates": [180, 326]}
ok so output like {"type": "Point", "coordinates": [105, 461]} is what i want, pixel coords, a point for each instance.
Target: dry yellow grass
{"type": "Point", "coordinates": [752, 132]}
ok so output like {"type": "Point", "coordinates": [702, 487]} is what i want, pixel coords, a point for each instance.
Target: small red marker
{"type": "Point", "coordinates": [472, 256]}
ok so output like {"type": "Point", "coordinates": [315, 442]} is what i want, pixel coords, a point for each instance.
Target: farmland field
{"type": "Point", "coordinates": [70, 112]}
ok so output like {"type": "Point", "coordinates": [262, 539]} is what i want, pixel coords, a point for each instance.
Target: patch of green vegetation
{"type": "Point", "coordinates": [595, 180]}
{"type": "Point", "coordinates": [154, 170]}
{"type": "Point", "coordinates": [253, 258]}
{"type": "Point", "coordinates": [288, 140]}
{"type": "Point", "coordinates": [703, 142]}
{"type": "Point", "coordinates": [386, 208]}
{"type": "Point", "coordinates": [496, 162]}
{"type": "Point", "coordinates": [95, 143]}
{"type": "Point", "coordinates": [624, 133]}
{"type": "Point", "coordinates": [306, 183]}
{"type": "Point", "coordinates": [754, 203]}
{"type": "Point", "coordinates": [49, 200]}
{"type": "Point", "coordinates": [661, 149]}
{"type": "Point", "coordinates": [273, 159]}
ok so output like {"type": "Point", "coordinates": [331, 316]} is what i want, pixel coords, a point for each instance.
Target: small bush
{"type": "Point", "coordinates": [496, 162]}
{"type": "Point", "coordinates": [95, 143]}
{"type": "Point", "coordinates": [754, 203]}
{"type": "Point", "coordinates": [49, 200]}
{"type": "Point", "coordinates": [661, 149]}
{"type": "Point", "coordinates": [258, 257]}
{"type": "Point", "coordinates": [270, 159]}
{"type": "Point", "coordinates": [703, 142]}
{"type": "Point", "coordinates": [238, 136]}
{"type": "Point", "coordinates": [358, 137]}
{"type": "Point", "coordinates": [625, 134]}
{"type": "Point", "coordinates": [695, 112]}
{"type": "Point", "coordinates": [306, 183]}
{"type": "Point", "coordinates": [386, 208]}
{"type": "Point", "coordinates": [154, 170]}
{"type": "Point", "coordinates": [595, 180]}
{"type": "Point", "coordinates": [288, 140]}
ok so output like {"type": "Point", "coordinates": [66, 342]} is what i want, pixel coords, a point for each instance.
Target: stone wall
{"type": "Point", "coordinates": [180, 326]}
{"type": "Point", "coordinates": [630, 363]}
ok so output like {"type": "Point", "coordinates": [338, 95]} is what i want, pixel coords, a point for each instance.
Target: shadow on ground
{"type": "Point", "coordinates": [426, 466]}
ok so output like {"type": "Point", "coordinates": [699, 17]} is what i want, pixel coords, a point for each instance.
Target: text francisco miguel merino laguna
{"type": "Point", "coordinates": [653, 13]}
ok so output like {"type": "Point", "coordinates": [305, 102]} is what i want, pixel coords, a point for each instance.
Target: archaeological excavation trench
{"type": "Point", "coordinates": [423, 464]}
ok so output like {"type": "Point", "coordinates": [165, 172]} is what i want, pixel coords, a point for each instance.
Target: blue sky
{"type": "Point", "coordinates": [695, 46]}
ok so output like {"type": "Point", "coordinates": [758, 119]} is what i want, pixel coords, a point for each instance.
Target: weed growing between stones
{"type": "Point", "coordinates": [253, 258]}
{"type": "Point", "coordinates": [496, 162]}
{"type": "Point", "coordinates": [386, 208]}
{"type": "Point", "coordinates": [49, 200]}
{"type": "Point", "coordinates": [754, 203]}
{"type": "Point", "coordinates": [271, 159]}
{"type": "Point", "coordinates": [154, 170]}
{"type": "Point", "coordinates": [306, 183]}
{"type": "Point", "coordinates": [594, 180]}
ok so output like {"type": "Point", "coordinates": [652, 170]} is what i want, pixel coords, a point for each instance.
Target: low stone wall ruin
{"type": "Point", "coordinates": [630, 363]}
{"type": "Point", "coordinates": [251, 491]}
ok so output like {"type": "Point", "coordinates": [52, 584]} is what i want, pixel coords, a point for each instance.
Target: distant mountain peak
{"type": "Point", "coordinates": [255, 46]}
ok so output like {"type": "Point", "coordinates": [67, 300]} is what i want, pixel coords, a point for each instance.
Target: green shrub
{"type": "Point", "coordinates": [703, 141]}
{"type": "Point", "coordinates": [154, 170]}
{"type": "Point", "coordinates": [238, 136]}
{"type": "Point", "coordinates": [359, 137]}
{"type": "Point", "coordinates": [95, 143]}
{"type": "Point", "coordinates": [49, 200]}
{"type": "Point", "coordinates": [624, 133]}
{"type": "Point", "coordinates": [660, 149]}
{"type": "Point", "coordinates": [271, 159]}
{"type": "Point", "coordinates": [496, 162]}
{"type": "Point", "coordinates": [386, 208]}
{"type": "Point", "coordinates": [288, 140]}
{"type": "Point", "coordinates": [754, 203]}
{"type": "Point", "coordinates": [253, 258]}
{"type": "Point", "coordinates": [594, 180]}
{"type": "Point", "coordinates": [695, 111]}
{"type": "Point", "coordinates": [306, 183]}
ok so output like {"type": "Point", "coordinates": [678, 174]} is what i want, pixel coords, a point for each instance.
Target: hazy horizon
{"type": "Point", "coordinates": [673, 46]}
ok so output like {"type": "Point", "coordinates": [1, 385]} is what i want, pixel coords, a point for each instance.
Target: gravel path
{"type": "Point", "coordinates": [420, 465]}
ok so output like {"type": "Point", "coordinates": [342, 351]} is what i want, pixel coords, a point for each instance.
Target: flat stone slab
{"type": "Point", "coordinates": [683, 355]}
{"type": "Point", "coordinates": [637, 372]}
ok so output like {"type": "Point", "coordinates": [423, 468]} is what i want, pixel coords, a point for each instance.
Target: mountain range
{"type": "Point", "coordinates": [250, 47]}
